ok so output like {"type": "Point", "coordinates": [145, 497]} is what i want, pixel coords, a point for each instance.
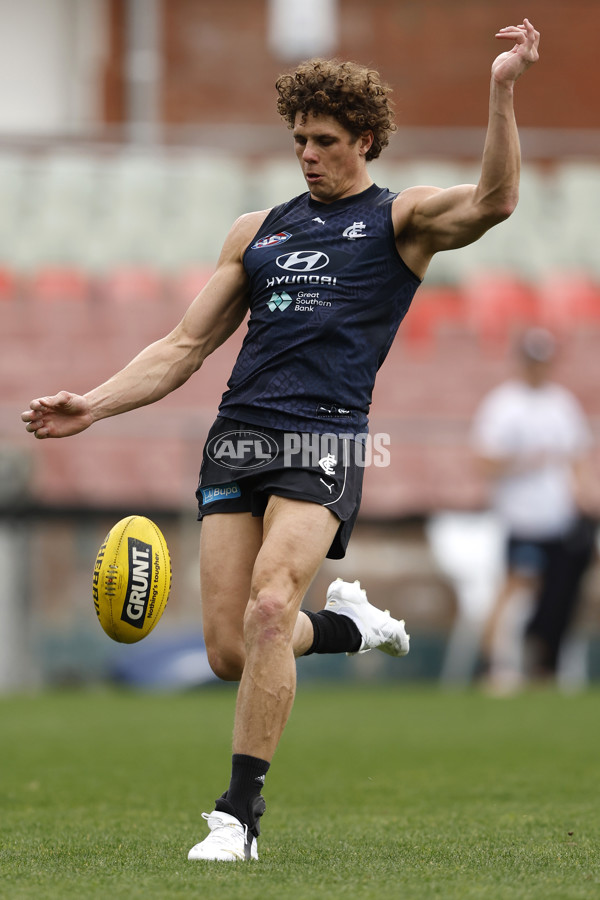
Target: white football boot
{"type": "Point", "coordinates": [228, 840]}
{"type": "Point", "coordinates": [378, 629]}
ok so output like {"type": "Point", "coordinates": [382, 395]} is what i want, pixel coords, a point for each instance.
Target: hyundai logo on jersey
{"type": "Point", "coordinates": [303, 261]}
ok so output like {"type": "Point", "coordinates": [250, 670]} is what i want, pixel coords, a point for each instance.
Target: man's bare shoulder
{"type": "Point", "coordinates": [409, 199]}
{"type": "Point", "coordinates": [248, 224]}
{"type": "Point", "coordinates": [406, 217]}
{"type": "Point", "coordinates": [240, 234]}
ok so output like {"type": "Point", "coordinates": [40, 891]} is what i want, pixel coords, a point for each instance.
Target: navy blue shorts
{"type": "Point", "coordinates": [243, 465]}
{"type": "Point", "coordinates": [529, 557]}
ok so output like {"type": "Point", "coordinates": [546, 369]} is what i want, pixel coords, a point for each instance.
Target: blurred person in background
{"type": "Point", "coordinates": [359, 252]}
{"type": "Point", "coordinates": [533, 442]}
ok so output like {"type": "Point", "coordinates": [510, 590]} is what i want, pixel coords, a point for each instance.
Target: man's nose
{"type": "Point", "coordinates": [309, 153]}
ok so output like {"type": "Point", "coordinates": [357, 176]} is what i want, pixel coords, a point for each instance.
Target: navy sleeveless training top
{"type": "Point", "coordinates": [328, 291]}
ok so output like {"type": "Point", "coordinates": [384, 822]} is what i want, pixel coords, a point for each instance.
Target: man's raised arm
{"type": "Point", "coordinates": [437, 219]}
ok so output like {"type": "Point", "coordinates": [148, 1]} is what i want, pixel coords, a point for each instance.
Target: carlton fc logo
{"type": "Point", "coordinates": [303, 261]}
{"type": "Point", "coordinates": [355, 231]}
{"type": "Point", "coordinates": [271, 239]}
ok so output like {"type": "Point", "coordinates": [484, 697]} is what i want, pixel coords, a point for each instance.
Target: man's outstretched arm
{"type": "Point", "coordinates": [165, 365]}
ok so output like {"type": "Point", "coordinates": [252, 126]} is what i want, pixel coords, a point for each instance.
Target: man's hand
{"type": "Point", "coordinates": [62, 415]}
{"type": "Point", "coordinates": [507, 67]}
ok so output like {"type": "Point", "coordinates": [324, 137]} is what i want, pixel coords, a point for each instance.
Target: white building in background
{"type": "Point", "coordinates": [299, 29]}
{"type": "Point", "coordinates": [51, 53]}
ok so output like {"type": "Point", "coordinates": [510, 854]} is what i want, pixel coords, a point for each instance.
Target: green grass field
{"type": "Point", "coordinates": [375, 792]}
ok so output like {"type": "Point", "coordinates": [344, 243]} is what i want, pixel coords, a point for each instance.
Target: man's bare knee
{"type": "Point", "coordinates": [227, 663]}
{"type": "Point", "coordinates": [269, 617]}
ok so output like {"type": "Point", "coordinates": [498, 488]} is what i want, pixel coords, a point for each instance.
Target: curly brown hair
{"type": "Point", "coordinates": [352, 94]}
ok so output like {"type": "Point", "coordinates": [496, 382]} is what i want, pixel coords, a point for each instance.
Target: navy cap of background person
{"type": "Point", "coordinates": [536, 352]}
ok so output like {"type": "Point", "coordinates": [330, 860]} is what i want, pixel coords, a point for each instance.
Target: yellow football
{"type": "Point", "coordinates": [132, 579]}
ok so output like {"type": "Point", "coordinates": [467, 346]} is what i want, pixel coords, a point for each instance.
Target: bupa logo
{"type": "Point", "coordinates": [138, 586]}
{"type": "Point", "coordinates": [229, 491]}
{"type": "Point", "coordinates": [242, 449]}
{"type": "Point", "coordinates": [303, 261]}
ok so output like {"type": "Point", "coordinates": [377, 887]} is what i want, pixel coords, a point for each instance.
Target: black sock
{"type": "Point", "coordinates": [334, 633]}
{"type": "Point", "coordinates": [242, 799]}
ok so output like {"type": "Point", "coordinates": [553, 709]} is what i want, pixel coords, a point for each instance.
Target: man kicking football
{"type": "Point", "coordinates": [303, 379]}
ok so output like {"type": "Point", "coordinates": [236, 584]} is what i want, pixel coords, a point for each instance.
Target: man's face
{"type": "Point", "coordinates": [536, 372]}
{"type": "Point", "coordinates": [332, 159]}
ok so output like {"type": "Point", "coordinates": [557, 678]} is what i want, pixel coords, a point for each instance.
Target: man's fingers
{"type": "Point", "coordinates": [34, 416]}
{"type": "Point", "coordinates": [512, 34]}
{"type": "Point", "coordinates": [43, 404]}
{"type": "Point", "coordinates": [35, 425]}
{"type": "Point", "coordinates": [519, 33]}
{"type": "Point", "coordinates": [31, 415]}
{"type": "Point", "coordinates": [37, 428]}
{"type": "Point", "coordinates": [32, 419]}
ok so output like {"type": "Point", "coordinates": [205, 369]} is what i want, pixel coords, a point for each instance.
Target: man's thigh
{"type": "Point", "coordinates": [297, 536]}
{"type": "Point", "coordinates": [229, 545]}
{"type": "Point", "coordinates": [241, 554]}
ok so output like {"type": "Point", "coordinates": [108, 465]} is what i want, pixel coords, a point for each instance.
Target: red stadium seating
{"type": "Point", "coordinates": [67, 330]}
{"type": "Point", "coordinates": [186, 284]}
{"type": "Point", "coordinates": [58, 304]}
{"type": "Point", "coordinates": [13, 317]}
{"type": "Point", "coordinates": [128, 284]}
{"type": "Point", "coordinates": [9, 284]}
{"type": "Point", "coordinates": [569, 301]}
{"type": "Point", "coordinates": [134, 307]}
{"type": "Point", "coordinates": [58, 283]}
{"type": "Point", "coordinates": [432, 309]}
{"type": "Point", "coordinates": [498, 305]}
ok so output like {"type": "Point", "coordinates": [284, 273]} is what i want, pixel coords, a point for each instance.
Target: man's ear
{"type": "Point", "coordinates": [365, 142]}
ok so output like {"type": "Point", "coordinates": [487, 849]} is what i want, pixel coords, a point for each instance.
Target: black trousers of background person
{"type": "Point", "coordinates": [558, 597]}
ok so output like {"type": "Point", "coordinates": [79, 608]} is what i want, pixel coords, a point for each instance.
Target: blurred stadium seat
{"type": "Point", "coordinates": [104, 472]}
{"type": "Point", "coordinates": [57, 302]}
{"type": "Point", "coordinates": [436, 172]}
{"type": "Point", "coordinates": [433, 310]}
{"type": "Point", "coordinates": [569, 301]}
{"type": "Point", "coordinates": [13, 198]}
{"type": "Point", "coordinates": [577, 187]}
{"type": "Point", "coordinates": [498, 305]}
{"type": "Point", "coordinates": [185, 284]}
{"type": "Point", "coordinates": [207, 192]}
{"type": "Point", "coordinates": [526, 241]}
{"type": "Point", "coordinates": [14, 321]}
{"type": "Point", "coordinates": [52, 284]}
{"type": "Point", "coordinates": [99, 207]}
{"type": "Point", "coordinates": [131, 210]}
{"type": "Point", "coordinates": [9, 284]}
{"type": "Point", "coordinates": [132, 284]}
{"type": "Point", "coordinates": [63, 188]}
{"type": "Point", "coordinates": [276, 182]}
{"type": "Point", "coordinates": [533, 238]}
{"type": "Point", "coordinates": [133, 308]}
